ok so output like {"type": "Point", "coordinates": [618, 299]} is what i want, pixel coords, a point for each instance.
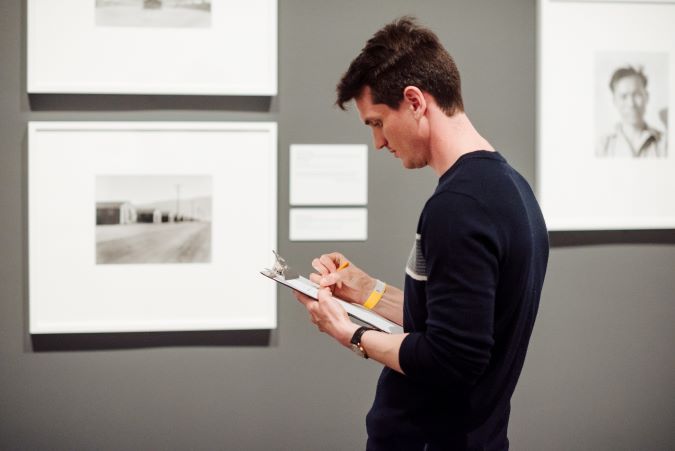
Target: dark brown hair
{"type": "Point", "coordinates": [403, 54]}
{"type": "Point", "coordinates": [628, 71]}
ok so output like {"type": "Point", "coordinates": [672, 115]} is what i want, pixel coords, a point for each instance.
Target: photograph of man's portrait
{"type": "Point", "coordinates": [631, 105]}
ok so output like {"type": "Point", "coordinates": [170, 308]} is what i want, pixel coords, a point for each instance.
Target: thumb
{"type": "Point", "coordinates": [323, 295]}
{"type": "Point", "coordinates": [330, 279]}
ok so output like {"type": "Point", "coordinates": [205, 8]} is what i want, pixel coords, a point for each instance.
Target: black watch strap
{"type": "Point", "coordinates": [356, 340]}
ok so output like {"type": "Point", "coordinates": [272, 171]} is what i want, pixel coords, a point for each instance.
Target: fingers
{"type": "Point", "coordinates": [328, 263]}
{"type": "Point", "coordinates": [304, 299]}
{"type": "Point", "coordinates": [331, 261]}
{"type": "Point", "coordinates": [326, 314]}
{"type": "Point", "coordinates": [330, 279]}
{"type": "Point", "coordinates": [312, 316]}
{"type": "Point", "coordinates": [324, 295]}
{"type": "Point", "coordinates": [319, 267]}
{"type": "Point", "coordinates": [311, 305]}
{"type": "Point", "coordinates": [315, 315]}
{"type": "Point", "coordinates": [328, 308]}
{"type": "Point", "coordinates": [337, 258]}
{"type": "Point", "coordinates": [327, 280]}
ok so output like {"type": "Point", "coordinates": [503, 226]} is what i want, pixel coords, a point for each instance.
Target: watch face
{"type": "Point", "coordinates": [358, 350]}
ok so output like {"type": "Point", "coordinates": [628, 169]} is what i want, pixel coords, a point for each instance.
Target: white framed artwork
{"type": "Point", "coordinates": [193, 47]}
{"type": "Point", "coordinates": [151, 226]}
{"type": "Point", "coordinates": [605, 145]}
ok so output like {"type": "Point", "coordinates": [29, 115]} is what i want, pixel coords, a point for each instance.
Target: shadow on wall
{"type": "Point", "coordinates": [135, 340]}
{"type": "Point", "coordinates": [110, 102]}
{"type": "Point", "coordinates": [602, 237]}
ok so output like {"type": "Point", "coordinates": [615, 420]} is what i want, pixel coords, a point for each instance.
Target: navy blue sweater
{"type": "Point", "coordinates": [472, 290]}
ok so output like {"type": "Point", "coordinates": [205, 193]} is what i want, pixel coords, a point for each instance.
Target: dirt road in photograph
{"type": "Point", "coordinates": [181, 242]}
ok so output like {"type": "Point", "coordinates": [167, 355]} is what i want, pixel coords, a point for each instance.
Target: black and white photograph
{"type": "Point", "coordinates": [603, 117]}
{"type": "Point", "coordinates": [631, 104]}
{"type": "Point", "coordinates": [153, 219]}
{"type": "Point", "coordinates": [154, 13]}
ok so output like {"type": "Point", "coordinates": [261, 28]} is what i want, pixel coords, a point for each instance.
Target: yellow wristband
{"type": "Point", "coordinates": [376, 295]}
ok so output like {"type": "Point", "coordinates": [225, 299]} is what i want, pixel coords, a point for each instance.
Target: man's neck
{"type": "Point", "coordinates": [450, 138]}
{"type": "Point", "coordinates": [633, 129]}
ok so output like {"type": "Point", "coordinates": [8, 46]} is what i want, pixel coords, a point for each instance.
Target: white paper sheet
{"type": "Point", "coordinates": [328, 174]}
{"type": "Point", "coordinates": [328, 224]}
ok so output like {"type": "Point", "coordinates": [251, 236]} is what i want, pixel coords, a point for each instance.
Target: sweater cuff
{"type": "Point", "coordinates": [407, 354]}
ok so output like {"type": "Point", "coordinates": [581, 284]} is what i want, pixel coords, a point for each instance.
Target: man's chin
{"type": "Point", "coordinates": [635, 122]}
{"type": "Point", "coordinates": [411, 164]}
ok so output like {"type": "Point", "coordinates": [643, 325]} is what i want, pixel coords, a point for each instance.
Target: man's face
{"type": "Point", "coordinates": [397, 130]}
{"type": "Point", "coordinates": [630, 99]}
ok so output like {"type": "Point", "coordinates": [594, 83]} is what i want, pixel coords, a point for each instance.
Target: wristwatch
{"type": "Point", "coordinates": [356, 341]}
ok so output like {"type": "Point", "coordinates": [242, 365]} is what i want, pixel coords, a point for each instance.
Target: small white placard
{"type": "Point", "coordinates": [328, 224]}
{"type": "Point", "coordinates": [329, 174]}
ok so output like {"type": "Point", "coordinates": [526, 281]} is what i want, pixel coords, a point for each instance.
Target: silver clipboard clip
{"type": "Point", "coordinates": [281, 268]}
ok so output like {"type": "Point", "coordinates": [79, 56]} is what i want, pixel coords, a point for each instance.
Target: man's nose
{"type": "Point", "coordinates": [379, 140]}
{"type": "Point", "coordinates": [635, 100]}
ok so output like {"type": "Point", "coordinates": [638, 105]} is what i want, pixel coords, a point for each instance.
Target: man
{"type": "Point", "coordinates": [632, 137]}
{"type": "Point", "coordinates": [476, 270]}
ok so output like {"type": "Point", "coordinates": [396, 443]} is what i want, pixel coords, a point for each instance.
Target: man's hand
{"type": "Point", "coordinates": [350, 284]}
{"type": "Point", "coordinates": [354, 285]}
{"type": "Point", "coordinates": [329, 316]}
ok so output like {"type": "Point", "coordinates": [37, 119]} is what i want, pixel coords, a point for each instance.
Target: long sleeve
{"type": "Point", "coordinates": [459, 243]}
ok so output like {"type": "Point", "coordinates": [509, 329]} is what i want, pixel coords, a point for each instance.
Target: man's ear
{"type": "Point", "coordinates": [415, 101]}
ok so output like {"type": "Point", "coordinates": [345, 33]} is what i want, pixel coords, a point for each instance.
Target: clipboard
{"type": "Point", "coordinates": [282, 274]}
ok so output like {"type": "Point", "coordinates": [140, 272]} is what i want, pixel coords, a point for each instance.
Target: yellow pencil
{"type": "Point", "coordinates": [343, 265]}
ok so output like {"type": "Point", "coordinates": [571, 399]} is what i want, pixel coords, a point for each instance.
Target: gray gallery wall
{"type": "Point", "coordinates": [600, 374]}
